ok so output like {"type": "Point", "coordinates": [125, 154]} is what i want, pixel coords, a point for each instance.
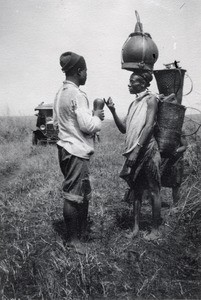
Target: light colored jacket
{"type": "Point", "coordinates": [76, 126]}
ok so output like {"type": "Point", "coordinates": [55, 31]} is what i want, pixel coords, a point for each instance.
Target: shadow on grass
{"type": "Point", "coordinates": [59, 227]}
{"type": "Point", "coordinates": [124, 219]}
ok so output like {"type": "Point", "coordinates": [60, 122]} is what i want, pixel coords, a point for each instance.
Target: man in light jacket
{"type": "Point", "coordinates": [77, 126]}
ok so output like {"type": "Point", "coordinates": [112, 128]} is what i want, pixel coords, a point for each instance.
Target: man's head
{"type": "Point", "coordinates": [139, 81]}
{"type": "Point", "coordinates": [74, 65]}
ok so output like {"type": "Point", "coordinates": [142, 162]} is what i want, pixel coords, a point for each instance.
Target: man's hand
{"type": "Point", "coordinates": [177, 154]}
{"type": "Point", "coordinates": [181, 149]}
{"type": "Point", "coordinates": [110, 104]}
{"type": "Point", "coordinates": [131, 160]}
{"type": "Point", "coordinates": [99, 113]}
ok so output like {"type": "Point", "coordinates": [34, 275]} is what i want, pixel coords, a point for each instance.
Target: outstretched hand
{"type": "Point", "coordinates": [110, 104]}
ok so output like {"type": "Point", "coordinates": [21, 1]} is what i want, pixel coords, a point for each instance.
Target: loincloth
{"type": "Point", "coordinates": [146, 167]}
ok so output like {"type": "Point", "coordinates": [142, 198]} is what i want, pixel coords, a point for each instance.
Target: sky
{"type": "Point", "coordinates": [34, 33]}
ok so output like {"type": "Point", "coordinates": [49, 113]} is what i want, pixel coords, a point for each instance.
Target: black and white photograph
{"type": "Point", "coordinates": [100, 150]}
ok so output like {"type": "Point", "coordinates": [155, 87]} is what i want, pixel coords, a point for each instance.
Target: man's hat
{"type": "Point", "coordinates": [69, 60]}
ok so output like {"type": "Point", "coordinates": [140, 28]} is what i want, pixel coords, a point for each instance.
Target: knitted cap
{"type": "Point", "coordinates": [69, 60]}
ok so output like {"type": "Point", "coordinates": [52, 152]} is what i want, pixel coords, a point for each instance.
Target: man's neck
{"type": "Point", "coordinates": [73, 79]}
{"type": "Point", "coordinates": [141, 93]}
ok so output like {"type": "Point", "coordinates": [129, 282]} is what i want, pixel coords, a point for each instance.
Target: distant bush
{"type": "Point", "coordinates": [15, 128]}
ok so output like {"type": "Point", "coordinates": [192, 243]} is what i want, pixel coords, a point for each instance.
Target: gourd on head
{"type": "Point", "coordinates": [139, 51]}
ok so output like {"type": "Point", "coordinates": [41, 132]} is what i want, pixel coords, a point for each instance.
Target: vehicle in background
{"type": "Point", "coordinates": [44, 132]}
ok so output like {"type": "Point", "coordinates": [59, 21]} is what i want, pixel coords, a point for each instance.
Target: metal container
{"type": "Point", "coordinates": [139, 51]}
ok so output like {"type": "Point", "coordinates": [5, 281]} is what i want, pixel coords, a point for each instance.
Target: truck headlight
{"type": "Point", "coordinates": [42, 127]}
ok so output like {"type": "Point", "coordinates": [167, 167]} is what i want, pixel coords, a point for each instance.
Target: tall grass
{"type": "Point", "coordinates": [15, 128]}
{"type": "Point", "coordinates": [35, 261]}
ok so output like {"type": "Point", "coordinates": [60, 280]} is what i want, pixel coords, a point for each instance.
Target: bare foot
{"type": "Point", "coordinates": [79, 247]}
{"type": "Point", "coordinates": [133, 234]}
{"type": "Point", "coordinates": [153, 235]}
{"type": "Point", "coordinates": [174, 209]}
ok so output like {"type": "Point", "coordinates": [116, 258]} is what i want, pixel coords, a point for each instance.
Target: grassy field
{"type": "Point", "coordinates": [35, 261]}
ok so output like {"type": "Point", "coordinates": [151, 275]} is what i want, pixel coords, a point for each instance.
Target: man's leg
{"type": "Point", "coordinates": [76, 188]}
{"type": "Point", "coordinates": [71, 212]}
{"type": "Point", "coordinates": [71, 217]}
{"type": "Point", "coordinates": [176, 194]}
{"type": "Point", "coordinates": [83, 214]}
{"type": "Point", "coordinates": [127, 195]}
{"type": "Point", "coordinates": [137, 200]}
{"type": "Point", "coordinates": [156, 209]}
{"type": "Point", "coordinates": [136, 215]}
{"type": "Point", "coordinates": [84, 206]}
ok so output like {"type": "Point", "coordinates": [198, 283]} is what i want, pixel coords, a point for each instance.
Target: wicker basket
{"type": "Point", "coordinates": [170, 119]}
{"type": "Point", "coordinates": [170, 81]}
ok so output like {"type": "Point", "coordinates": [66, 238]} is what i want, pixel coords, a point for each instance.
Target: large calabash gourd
{"type": "Point", "coordinates": [98, 104]}
{"type": "Point", "coordinates": [139, 51]}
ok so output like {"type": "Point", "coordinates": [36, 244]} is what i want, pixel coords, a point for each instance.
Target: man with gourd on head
{"type": "Point", "coordinates": [141, 169]}
{"type": "Point", "coordinates": [142, 165]}
{"type": "Point", "coordinates": [77, 125]}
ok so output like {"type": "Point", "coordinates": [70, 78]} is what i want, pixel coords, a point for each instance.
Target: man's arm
{"type": "Point", "coordinates": [87, 122]}
{"type": "Point", "coordinates": [55, 112]}
{"type": "Point", "coordinates": [119, 123]}
{"type": "Point", "coordinates": [182, 148]}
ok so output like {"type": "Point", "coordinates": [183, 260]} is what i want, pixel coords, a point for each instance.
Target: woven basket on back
{"type": "Point", "coordinates": [170, 119]}
{"type": "Point", "coordinates": [170, 81]}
